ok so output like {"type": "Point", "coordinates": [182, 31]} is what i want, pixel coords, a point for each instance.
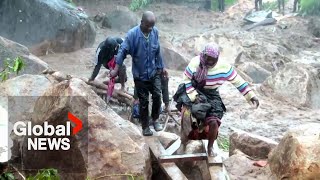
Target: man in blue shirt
{"type": "Point", "coordinates": [142, 43]}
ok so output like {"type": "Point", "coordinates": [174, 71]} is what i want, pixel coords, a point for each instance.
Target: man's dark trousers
{"type": "Point", "coordinates": [143, 88]}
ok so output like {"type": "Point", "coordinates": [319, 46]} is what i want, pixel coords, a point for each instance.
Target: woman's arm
{"type": "Point", "coordinates": [187, 78]}
{"type": "Point", "coordinates": [240, 84]}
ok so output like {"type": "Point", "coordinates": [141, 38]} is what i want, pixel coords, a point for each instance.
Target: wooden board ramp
{"type": "Point", "coordinates": [170, 169]}
{"type": "Point", "coordinates": [215, 164]}
{"type": "Point", "coordinates": [167, 159]}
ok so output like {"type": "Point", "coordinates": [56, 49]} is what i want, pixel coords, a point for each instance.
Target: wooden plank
{"type": "Point", "coordinates": [170, 169]}
{"type": "Point", "coordinates": [155, 145]}
{"type": "Point", "coordinates": [182, 157]}
{"type": "Point", "coordinates": [174, 147]}
{"type": "Point", "coordinates": [215, 164]}
{"type": "Point", "coordinates": [217, 160]}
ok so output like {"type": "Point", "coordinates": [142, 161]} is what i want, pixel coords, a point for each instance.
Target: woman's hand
{"type": "Point", "coordinates": [255, 102]}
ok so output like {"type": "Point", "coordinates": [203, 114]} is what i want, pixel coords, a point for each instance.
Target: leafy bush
{"type": "Point", "coordinates": [138, 4]}
{"type": "Point", "coordinates": [310, 7]}
{"type": "Point", "coordinates": [10, 66]}
{"type": "Point", "coordinates": [273, 5]}
{"type": "Point", "coordinates": [46, 174]}
{"type": "Point", "coordinates": [214, 4]}
{"type": "Point", "coordinates": [223, 143]}
{"type": "Point", "coordinates": [7, 176]}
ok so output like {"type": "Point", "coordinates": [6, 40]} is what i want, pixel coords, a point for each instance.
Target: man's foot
{"type": "Point", "coordinates": [147, 131]}
{"type": "Point", "coordinates": [157, 126]}
{"type": "Point", "coordinates": [211, 152]}
{"type": "Point", "coordinates": [167, 110]}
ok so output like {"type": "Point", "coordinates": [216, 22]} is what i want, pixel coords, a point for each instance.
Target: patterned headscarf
{"type": "Point", "coordinates": [211, 50]}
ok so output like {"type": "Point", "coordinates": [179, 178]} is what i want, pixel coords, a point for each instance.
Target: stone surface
{"type": "Point", "coordinates": [298, 84]}
{"type": "Point", "coordinates": [252, 145]}
{"type": "Point", "coordinates": [107, 144]}
{"type": "Point", "coordinates": [121, 18]}
{"type": "Point", "coordinates": [254, 71]}
{"type": "Point", "coordinates": [167, 139]}
{"type": "Point", "coordinates": [12, 50]}
{"type": "Point", "coordinates": [64, 27]}
{"type": "Point", "coordinates": [172, 59]}
{"type": "Point", "coordinates": [298, 154]}
{"type": "Point", "coordinates": [314, 26]}
{"type": "Point", "coordinates": [239, 166]}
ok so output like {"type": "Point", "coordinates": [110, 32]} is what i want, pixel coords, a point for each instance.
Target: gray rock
{"type": "Point", "coordinates": [10, 49]}
{"type": "Point", "coordinates": [31, 22]}
{"type": "Point", "coordinates": [107, 144]}
{"type": "Point", "coordinates": [121, 19]}
{"type": "Point", "coordinates": [297, 84]}
{"type": "Point", "coordinates": [252, 145]}
{"type": "Point", "coordinates": [314, 27]}
{"type": "Point", "coordinates": [298, 154]}
{"type": "Point", "coordinates": [172, 59]}
{"type": "Point", "coordinates": [254, 71]}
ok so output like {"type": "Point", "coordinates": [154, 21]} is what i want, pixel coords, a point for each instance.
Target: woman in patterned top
{"type": "Point", "coordinates": [203, 76]}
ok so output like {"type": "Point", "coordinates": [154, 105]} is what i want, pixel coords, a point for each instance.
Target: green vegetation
{"type": "Point", "coordinates": [223, 143]}
{"type": "Point", "coordinates": [43, 174]}
{"type": "Point", "coordinates": [272, 5]}
{"type": "Point", "coordinates": [10, 66]}
{"type": "Point", "coordinates": [70, 2]}
{"type": "Point", "coordinates": [128, 177]}
{"type": "Point", "coordinates": [310, 7]}
{"type": "Point", "coordinates": [214, 4]}
{"type": "Point", "coordinates": [7, 176]}
{"type": "Point", "coordinates": [46, 174]}
{"type": "Point", "coordinates": [138, 4]}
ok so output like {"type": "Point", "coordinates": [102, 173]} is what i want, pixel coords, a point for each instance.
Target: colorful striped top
{"type": "Point", "coordinates": [216, 76]}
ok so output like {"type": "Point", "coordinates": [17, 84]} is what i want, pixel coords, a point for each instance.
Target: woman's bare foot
{"type": "Point", "coordinates": [211, 152]}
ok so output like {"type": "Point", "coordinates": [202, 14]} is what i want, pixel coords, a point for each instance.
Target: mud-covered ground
{"type": "Point", "coordinates": [187, 29]}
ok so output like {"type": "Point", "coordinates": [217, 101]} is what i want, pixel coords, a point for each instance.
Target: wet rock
{"type": "Point", "coordinates": [106, 22]}
{"type": "Point", "coordinates": [194, 146]}
{"type": "Point", "coordinates": [298, 154]}
{"type": "Point", "coordinates": [252, 145]}
{"type": "Point", "coordinates": [98, 17]}
{"type": "Point", "coordinates": [21, 92]}
{"type": "Point", "coordinates": [239, 166]}
{"type": "Point", "coordinates": [254, 71]}
{"type": "Point", "coordinates": [297, 84]}
{"type": "Point", "coordinates": [121, 19]}
{"type": "Point", "coordinates": [314, 26]}
{"type": "Point", "coordinates": [167, 139]}
{"type": "Point", "coordinates": [12, 50]}
{"type": "Point", "coordinates": [25, 85]}
{"type": "Point", "coordinates": [107, 143]}
{"type": "Point", "coordinates": [172, 59]}
{"type": "Point", "coordinates": [33, 22]}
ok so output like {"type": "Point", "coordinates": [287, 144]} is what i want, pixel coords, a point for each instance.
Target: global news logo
{"type": "Point", "coordinates": [47, 136]}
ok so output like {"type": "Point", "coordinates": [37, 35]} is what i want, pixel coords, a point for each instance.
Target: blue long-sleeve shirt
{"type": "Point", "coordinates": [146, 56]}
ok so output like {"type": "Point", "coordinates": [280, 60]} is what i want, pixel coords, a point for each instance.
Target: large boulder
{"type": "Point", "coordinates": [298, 154]}
{"type": "Point", "coordinates": [25, 85]}
{"type": "Point", "coordinates": [10, 49]}
{"type": "Point", "coordinates": [172, 59]}
{"type": "Point", "coordinates": [314, 26]}
{"type": "Point", "coordinates": [107, 144]}
{"type": "Point", "coordinates": [121, 19]}
{"type": "Point", "coordinates": [239, 166]}
{"type": "Point", "coordinates": [21, 92]}
{"type": "Point", "coordinates": [254, 71]}
{"type": "Point", "coordinates": [298, 84]}
{"type": "Point", "coordinates": [62, 26]}
{"type": "Point", "coordinates": [252, 145]}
